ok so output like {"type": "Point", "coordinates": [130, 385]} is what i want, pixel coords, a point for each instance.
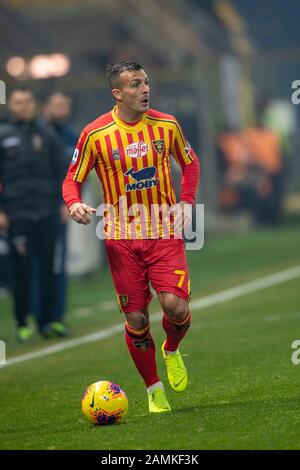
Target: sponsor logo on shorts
{"type": "Point", "coordinates": [144, 178]}
{"type": "Point", "coordinates": [137, 149]}
{"type": "Point", "coordinates": [159, 145]}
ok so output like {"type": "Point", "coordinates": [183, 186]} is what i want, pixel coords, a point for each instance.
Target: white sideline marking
{"type": "Point", "coordinates": [228, 294]}
{"type": "Point", "coordinates": [107, 305]}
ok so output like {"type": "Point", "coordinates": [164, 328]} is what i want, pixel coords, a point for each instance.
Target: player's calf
{"type": "Point", "coordinates": [142, 350]}
{"type": "Point", "coordinates": [176, 322]}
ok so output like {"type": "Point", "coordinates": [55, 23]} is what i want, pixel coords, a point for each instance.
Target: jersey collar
{"type": "Point", "coordinates": [126, 125]}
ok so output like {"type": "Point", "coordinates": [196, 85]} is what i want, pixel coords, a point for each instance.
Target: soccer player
{"type": "Point", "coordinates": [130, 148]}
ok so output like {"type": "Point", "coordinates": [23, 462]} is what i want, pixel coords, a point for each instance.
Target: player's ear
{"type": "Point", "coordinates": [116, 94]}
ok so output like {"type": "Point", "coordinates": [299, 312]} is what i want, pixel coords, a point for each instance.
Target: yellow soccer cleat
{"type": "Point", "coordinates": [176, 370]}
{"type": "Point", "coordinates": [158, 402]}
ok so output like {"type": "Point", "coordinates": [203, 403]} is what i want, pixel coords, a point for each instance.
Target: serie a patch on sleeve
{"type": "Point", "coordinates": [75, 156]}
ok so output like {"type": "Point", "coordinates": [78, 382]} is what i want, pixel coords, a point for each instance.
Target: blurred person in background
{"type": "Point", "coordinates": [57, 112]}
{"type": "Point", "coordinates": [32, 167]}
{"type": "Point", "coordinates": [4, 263]}
{"type": "Point", "coordinates": [251, 169]}
{"type": "Point", "coordinates": [232, 164]}
{"type": "Point", "coordinates": [266, 165]}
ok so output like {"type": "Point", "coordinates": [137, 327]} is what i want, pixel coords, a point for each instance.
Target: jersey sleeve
{"type": "Point", "coordinates": [180, 148]}
{"type": "Point", "coordinates": [189, 163]}
{"type": "Point", "coordinates": [81, 165]}
{"type": "Point", "coordinates": [83, 159]}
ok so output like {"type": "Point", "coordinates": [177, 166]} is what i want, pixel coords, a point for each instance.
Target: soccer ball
{"type": "Point", "coordinates": [104, 403]}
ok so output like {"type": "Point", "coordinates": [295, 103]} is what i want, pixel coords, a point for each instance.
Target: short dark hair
{"type": "Point", "coordinates": [113, 71]}
{"type": "Point", "coordinates": [22, 88]}
{"type": "Point", "coordinates": [57, 93]}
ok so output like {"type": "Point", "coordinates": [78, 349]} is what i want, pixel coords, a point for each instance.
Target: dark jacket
{"type": "Point", "coordinates": [32, 168]}
{"type": "Point", "coordinates": [67, 137]}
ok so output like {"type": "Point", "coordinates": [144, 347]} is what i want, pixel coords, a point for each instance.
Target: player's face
{"type": "Point", "coordinates": [22, 105]}
{"type": "Point", "coordinates": [134, 91]}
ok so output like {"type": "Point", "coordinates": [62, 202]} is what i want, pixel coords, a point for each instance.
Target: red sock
{"type": "Point", "coordinates": [141, 347]}
{"type": "Point", "coordinates": [176, 330]}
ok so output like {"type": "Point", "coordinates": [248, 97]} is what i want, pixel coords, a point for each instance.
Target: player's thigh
{"type": "Point", "coordinates": [168, 269]}
{"type": "Point", "coordinates": [129, 276]}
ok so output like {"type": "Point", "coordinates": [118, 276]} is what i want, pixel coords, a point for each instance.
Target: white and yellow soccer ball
{"type": "Point", "coordinates": [104, 402]}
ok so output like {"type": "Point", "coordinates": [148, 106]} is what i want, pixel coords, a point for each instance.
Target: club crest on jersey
{"type": "Point", "coordinates": [144, 178]}
{"type": "Point", "coordinates": [137, 149]}
{"type": "Point", "coordinates": [75, 156]}
{"type": "Point", "coordinates": [116, 154]}
{"type": "Point", "coordinates": [159, 145]}
{"type": "Point", "coordinates": [123, 300]}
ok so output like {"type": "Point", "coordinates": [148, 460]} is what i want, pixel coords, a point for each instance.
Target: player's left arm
{"type": "Point", "coordinates": [190, 167]}
{"type": "Point", "coordinates": [184, 155]}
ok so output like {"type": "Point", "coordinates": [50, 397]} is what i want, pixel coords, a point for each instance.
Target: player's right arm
{"type": "Point", "coordinates": [81, 165]}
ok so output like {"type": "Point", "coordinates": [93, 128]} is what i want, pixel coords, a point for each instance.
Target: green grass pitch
{"type": "Point", "coordinates": [243, 390]}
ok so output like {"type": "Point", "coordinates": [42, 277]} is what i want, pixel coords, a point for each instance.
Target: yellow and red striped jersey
{"type": "Point", "coordinates": [132, 161]}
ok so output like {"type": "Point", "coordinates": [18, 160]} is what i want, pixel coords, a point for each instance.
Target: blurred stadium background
{"type": "Point", "coordinates": [215, 64]}
{"type": "Point", "coordinates": [210, 61]}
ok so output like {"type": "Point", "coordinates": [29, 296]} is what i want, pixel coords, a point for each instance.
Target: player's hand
{"type": "Point", "coordinates": [64, 214]}
{"type": "Point", "coordinates": [4, 222]}
{"type": "Point", "coordinates": [183, 216]}
{"type": "Point", "coordinates": [81, 212]}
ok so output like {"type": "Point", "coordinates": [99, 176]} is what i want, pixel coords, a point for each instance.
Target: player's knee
{"type": "Point", "coordinates": [175, 307]}
{"type": "Point", "coordinates": [137, 320]}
